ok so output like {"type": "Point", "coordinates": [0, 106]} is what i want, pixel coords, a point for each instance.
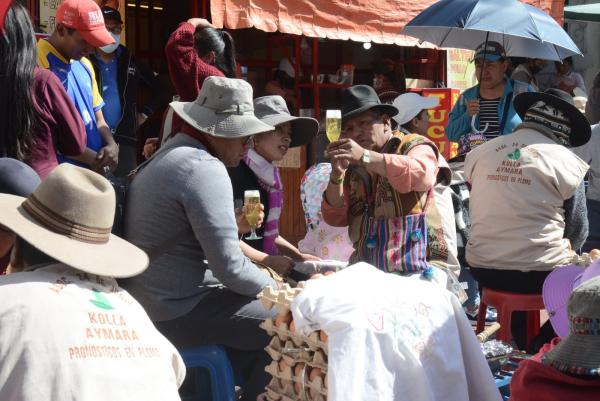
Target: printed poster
{"type": "Point", "coordinates": [460, 69]}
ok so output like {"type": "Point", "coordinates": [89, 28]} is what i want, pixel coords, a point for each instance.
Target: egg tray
{"type": "Point", "coordinates": [283, 390]}
{"type": "Point", "coordinates": [279, 298]}
{"type": "Point", "coordinates": [313, 342]}
{"type": "Point", "coordinates": [318, 385]}
{"type": "Point", "coordinates": [292, 354]}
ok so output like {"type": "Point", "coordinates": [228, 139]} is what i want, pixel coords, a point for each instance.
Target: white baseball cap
{"type": "Point", "coordinates": [410, 104]}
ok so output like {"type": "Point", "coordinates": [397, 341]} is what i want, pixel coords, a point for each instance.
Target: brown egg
{"type": "Point", "coordinates": [297, 388]}
{"type": "Point", "coordinates": [323, 336]}
{"type": "Point", "coordinates": [298, 368]}
{"type": "Point", "coordinates": [314, 394]}
{"type": "Point", "coordinates": [314, 373]}
{"type": "Point", "coordinates": [316, 276]}
{"type": "Point", "coordinates": [282, 365]}
{"type": "Point", "coordinates": [285, 318]}
{"type": "Point", "coordinates": [329, 273]}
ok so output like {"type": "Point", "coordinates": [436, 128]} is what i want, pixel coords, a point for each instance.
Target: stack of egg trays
{"type": "Point", "coordinates": [294, 355]}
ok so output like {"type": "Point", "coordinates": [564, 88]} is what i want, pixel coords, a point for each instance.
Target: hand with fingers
{"type": "Point", "coordinates": [472, 107]}
{"type": "Point", "coordinates": [346, 151]}
{"type": "Point", "coordinates": [242, 222]}
{"type": "Point", "coordinates": [108, 156]}
{"type": "Point", "coordinates": [200, 22]}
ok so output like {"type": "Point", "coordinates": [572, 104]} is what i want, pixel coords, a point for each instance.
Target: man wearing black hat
{"type": "Point", "coordinates": [380, 187]}
{"type": "Point", "coordinates": [119, 76]}
{"type": "Point", "coordinates": [527, 205]}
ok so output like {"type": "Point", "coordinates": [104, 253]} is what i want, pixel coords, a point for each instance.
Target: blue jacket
{"type": "Point", "coordinates": [459, 122]}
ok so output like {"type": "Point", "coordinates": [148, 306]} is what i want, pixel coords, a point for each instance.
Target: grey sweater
{"type": "Point", "coordinates": [186, 190]}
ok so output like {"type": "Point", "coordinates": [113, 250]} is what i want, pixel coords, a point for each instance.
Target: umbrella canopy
{"type": "Point", "coordinates": [583, 12]}
{"type": "Point", "coordinates": [523, 30]}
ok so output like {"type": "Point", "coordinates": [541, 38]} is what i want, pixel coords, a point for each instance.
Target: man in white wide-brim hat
{"type": "Point", "coordinates": [67, 330]}
{"type": "Point", "coordinates": [200, 289]}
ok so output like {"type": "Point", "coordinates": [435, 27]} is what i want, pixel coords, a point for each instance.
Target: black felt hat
{"type": "Point", "coordinates": [361, 98]}
{"type": "Point", "coordinates": [17, 178]}
{"type": "Point", "coordinates": [561, 100]}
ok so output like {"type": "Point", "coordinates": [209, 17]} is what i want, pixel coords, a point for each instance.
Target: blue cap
{"type": "Point", "coordinates": [493, 51]}
{"type": "Point", "coordinates": [17, 178]}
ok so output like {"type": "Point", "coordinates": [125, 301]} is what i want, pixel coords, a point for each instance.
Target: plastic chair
{"type": "Point", "coordinates": [506, 303]}
{"type": "Point", "coordinates": [214, 359]}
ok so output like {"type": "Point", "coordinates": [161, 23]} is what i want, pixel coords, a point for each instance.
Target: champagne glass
{"type": "Point", "coordinates": [252, 211]}
{"type": "Point", "coordinates": [333, 124]}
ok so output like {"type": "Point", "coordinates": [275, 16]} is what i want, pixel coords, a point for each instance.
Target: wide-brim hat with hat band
{"type": "Point", "coordinates": [223, 109]}
{"type": "Point", "coordinates": [361, 98]}
{"type": "Point", "coordinates": [273, 110]}
{"type": "Point", "coordinates": [409, 106]}
{"type": "Point", "coordinates": [86, 18]}
{"type": "Point", "coordinates": [579, 352]}
{"type": "Point", "coordinates": [580, 126]}
{"type": "Point", "coordinates": [69, 217]}
{"type": "Point", "coordinates": [558, 286]}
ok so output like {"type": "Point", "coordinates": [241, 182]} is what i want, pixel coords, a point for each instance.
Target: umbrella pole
{"type": "Point", "coordinates": [487, 36]}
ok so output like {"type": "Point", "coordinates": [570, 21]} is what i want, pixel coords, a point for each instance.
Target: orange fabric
{"type": "Point", "coordinates": [379, 21]}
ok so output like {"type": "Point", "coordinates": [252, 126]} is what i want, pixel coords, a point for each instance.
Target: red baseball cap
{"type": "Point", "coordinates": [86, 18]}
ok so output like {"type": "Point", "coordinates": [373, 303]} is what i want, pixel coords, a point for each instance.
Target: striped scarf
{"type": "Point", "coordinates": [269, 178]}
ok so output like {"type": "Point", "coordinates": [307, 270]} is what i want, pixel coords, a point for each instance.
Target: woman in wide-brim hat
{"type": "Point", "coordinates": [258, 171]}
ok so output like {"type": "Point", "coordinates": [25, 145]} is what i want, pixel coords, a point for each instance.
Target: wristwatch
{"type": "Point", "coordinates": [366, 157]}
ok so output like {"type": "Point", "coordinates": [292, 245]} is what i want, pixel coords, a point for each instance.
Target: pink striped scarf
{"type": "Point", "coordinates": [268, 177]}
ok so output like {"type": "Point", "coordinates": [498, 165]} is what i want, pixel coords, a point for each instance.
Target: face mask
{"type": "Point", "coordinates": [113, 47]}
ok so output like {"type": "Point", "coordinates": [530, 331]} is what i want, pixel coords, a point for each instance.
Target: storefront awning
{"type": "Point", "coordinates": [583, 12]}
{"type": "Point", "coordinates": [378, 21]}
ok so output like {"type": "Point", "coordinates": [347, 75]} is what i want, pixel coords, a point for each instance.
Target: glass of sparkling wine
{"type": "Point", "coordinates": [333, 124]}
{"type": "Point", "coordinates": [252, 211]}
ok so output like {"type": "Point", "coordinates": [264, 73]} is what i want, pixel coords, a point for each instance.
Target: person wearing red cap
{"type": "Point", "coordinates": [79, 29]}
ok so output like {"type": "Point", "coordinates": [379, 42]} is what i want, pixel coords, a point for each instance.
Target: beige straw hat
{"type": "Point", "coordinates": [223, 108]}
{"type": "Point", "coordinates": [69, 217]}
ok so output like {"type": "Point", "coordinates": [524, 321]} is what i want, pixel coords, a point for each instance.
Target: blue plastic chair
{"type": "Point", "coordinates": [213, 359]}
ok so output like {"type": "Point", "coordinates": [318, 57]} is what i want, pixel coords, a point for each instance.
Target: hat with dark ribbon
{"type": "Point", "coordinates": [362, 98]}
{"type": "Point", "coordinates": [69, 217]}
{"type": "Point", "coordinates": [556, 110]}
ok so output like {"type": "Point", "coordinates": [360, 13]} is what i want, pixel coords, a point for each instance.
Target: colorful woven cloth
{"type": "Point", "coordinates": [322, 240]}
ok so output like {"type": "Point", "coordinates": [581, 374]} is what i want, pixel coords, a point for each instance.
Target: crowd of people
{"type": "Point", "coordinates": [502, 214]}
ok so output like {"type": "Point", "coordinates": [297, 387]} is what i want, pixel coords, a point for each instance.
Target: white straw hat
{"type": "Point", "coordinates": [69, 217]}
{"type": "Point", "coordinates": [223, 108]}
